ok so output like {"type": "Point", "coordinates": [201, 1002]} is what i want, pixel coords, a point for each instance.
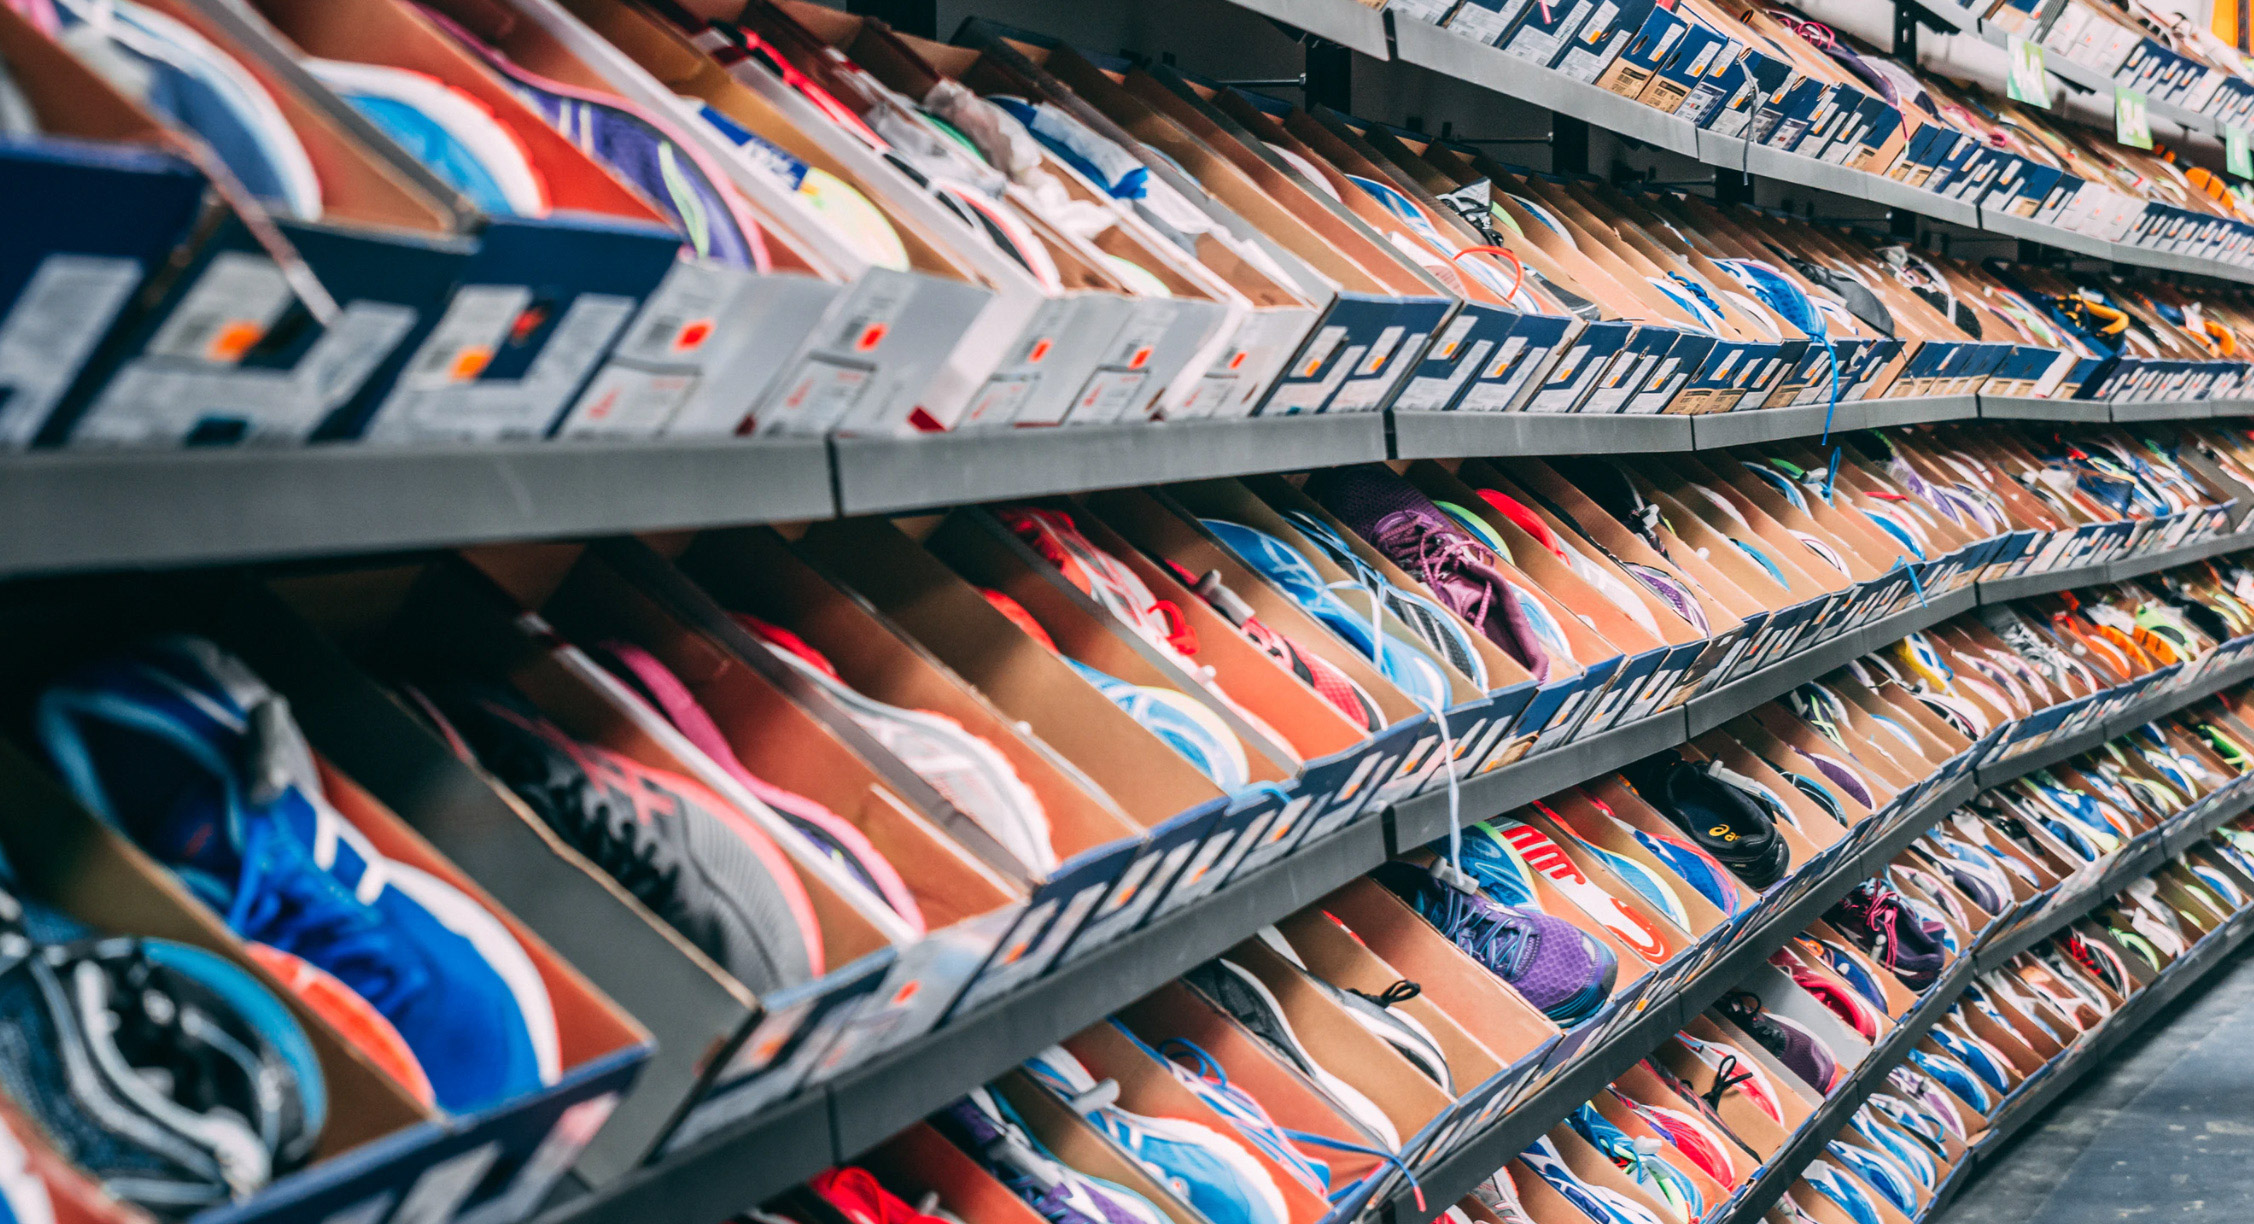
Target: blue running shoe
{"type": "Point", "coordinates": [1210, 1171]}
{"type": "Point", "coordinates": [1186, 726]}
{"type": "Point", "coordinates": [1642, 1162]}
{"type": "Point", "coordinates": [1416, 673]}
{"type": "Point", "coordinates": [167, 1074]}
{"type": "Point", "coordinates": [1879, 1173]}
{"type": "Point", "coordinates": [183, 748]}
{"type": "Point", "coordinates": [987, 1130]}
{"type": "Point", "coordinates": [1954, 1076]}
{"type": "Point", "coordinates": [1841, 1189]}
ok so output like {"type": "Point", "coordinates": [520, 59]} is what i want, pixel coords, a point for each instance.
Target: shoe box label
{"type": "Point", "coordinates": [62, 311]}
{"type": "Point", "coordinates": [1576, 373]}
{"type": "Point", "coordinates": [1457, 355]}
{"type": "Point", "coordinates": [773, 1059]}
{"type": "Point", "coordinates": [1640, 59]}
{"type": "Point", "coordinates": [704, 346]}
{"type": "Point", "coordinates": [191, 383]}
{"type": "Point", "coordinates": [1519, 362]}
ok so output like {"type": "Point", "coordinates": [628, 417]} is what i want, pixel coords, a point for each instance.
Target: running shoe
{"type": "Point", "coordinates": [1402, 523]}
{"type": "Point", "coordinates": [1601, 1205]}
{"type": "Point", "coordinates": [1909, 1153]}
{"type": "Point", "coordinates": [1239, 992]}
{"type": "Point", "coordinates": [988, 1130]}
{"type": "Point", "coordinates": [1840, 1001]}
{"type": "Point", "coordinates": [1877, 1171]}
{"type": "Point", "coordinates": [861, 1198]}
{"type": "Point", "coordinates": [450, 132]}
{"type": "Point", "coordinates": [1699, 1141]}
{"type": "Point", "coordinates": [665, 695]}
{"type": "Point", "coordinates": [1211, 1171]}
{"type": "Point", "coordinates": [1643, 1162]}
{"type": "Point", "coordinates": [1377, 1015]}
{"type": "Point", "coordinates": [1848, 966]}
{"type": "Point", "coordinates": [1197, 1071]}
{"type": "Point", "coordinates": [185, 750]}
{"type": "Point", "coordinates": [973, 775]}
{"type": "Point", "coordinates": [167, 1074]}
{"type": "Point", "coordinates": [1802, 1052]}
{"type": "Point", "coordinates": [1734, 1069]}
{"type": "Point", "coordinates": [685, 853]}
{"type": "Point", "coordinates": [1843, 1191]}
{"type": "Point", "coordinates": [1559, 969]}
{"type": "Point", "coordinates": [1350, 699]}
{"type": "Point", "coordinates": [1418, 674]}
{"type": "Point", "coordinates": [1733, 823]}
{"type": "Point", "coordinates": [1874, 915]}
{"type": "Point", "coordinates": [1953, 1075]}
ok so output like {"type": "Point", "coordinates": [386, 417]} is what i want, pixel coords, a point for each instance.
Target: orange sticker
{"type": "Point", "coordinates": [1040, 349]}
{"type": "Point", "coordinates": [235, 339]}
{"type": "Point", "coordinates": [871, 336]}
{"type": "Point", "coordinates": [1142, 355]}
{"type": "Point", "coordinates": [1236, 361]}
{"type": "Point", "coordinates": [470, 362]}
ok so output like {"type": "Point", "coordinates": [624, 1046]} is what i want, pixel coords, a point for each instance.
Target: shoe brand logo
{"type": "Point", "coordinates": [1625, 924]}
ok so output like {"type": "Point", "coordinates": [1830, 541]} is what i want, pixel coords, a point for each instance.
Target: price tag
{"type": "Point", "coordinates": [2238, 158]}
{"type": "Point", "coordinates": [2132, 125]}
{"type": "Point", "coordinates": [2027, 83]}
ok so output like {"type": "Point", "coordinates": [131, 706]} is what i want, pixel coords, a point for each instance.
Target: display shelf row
{"type": "Point", "coordinates": [85, 511]}
{"type": "Point", "coordinates": [1454, 55]}
{"type": "Point", "coordinates": [1603, 1063]}
{"type": "Point", "coordinates": [716, 1175]}
{"type": "Point", "coordinates": [1776, 1175]}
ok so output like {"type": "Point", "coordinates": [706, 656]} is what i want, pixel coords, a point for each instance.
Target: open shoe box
{"type": "Point", "coordinates": [1373, 311]}
{"type": "Point", "coordinates": [1178, 809]}
{"type": "Point", "coordinates": [1479, 723]}
{"type": "Point", "coordinates": [1499, 1018]}
{"type": "Point", "coordinates": [380, 1146]}
{"type": "Point", "coordinates": [506, 370]}
{"type": "Point", "coordinates": [1171, 355]}
{"type": "Point", "coordinates": [725, 1052]}
{"type": "Point", "coordinates": [1287, 296]}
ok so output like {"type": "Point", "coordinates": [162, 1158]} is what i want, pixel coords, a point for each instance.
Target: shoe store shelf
{"type": "Point", "coordinates": [1454, 55]}
{"type": "Point", "coordinates": [723, 1173]}
{"type": "Point", "coordinates": [85, 511]}
{"type": "Point", "coordinates": [2132, 864]}
{"type": "Point", "coordinates": [1778, 1173]}
{"type": "Point", "coordinates": [2079, 75]}
{"type": "Point", "coordinates": [2032, 1098]}
{"type": "Point", "coordinates": [1345, 22]}
{"type": "Point", "coordinates": [882, 474]}
{"type": "Point", "coordinates": [116, 509]}
{"type": "Point", "coordinates": [2028, 408]}
{"type": "Point", "coordinates": [718, 1175]}
{"type": "Point", "coordinates": [1600, 1064]}
{"type": "Point", "coordinates": [1439, 435]}
{"type": "Point", "coordinates": [1711, 709]}
{"type": "Point", "coordinates": [2043, 582]}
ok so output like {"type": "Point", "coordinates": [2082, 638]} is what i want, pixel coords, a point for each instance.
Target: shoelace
{"type": "Point", "coordinates": [1639, 1158]}
{"type": "Point", "coordinates": [1436, 553]}
{"type": "Point", "coordinates": [1491, 938]}
{"type": "Point", "coordinates": [306, 913]}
